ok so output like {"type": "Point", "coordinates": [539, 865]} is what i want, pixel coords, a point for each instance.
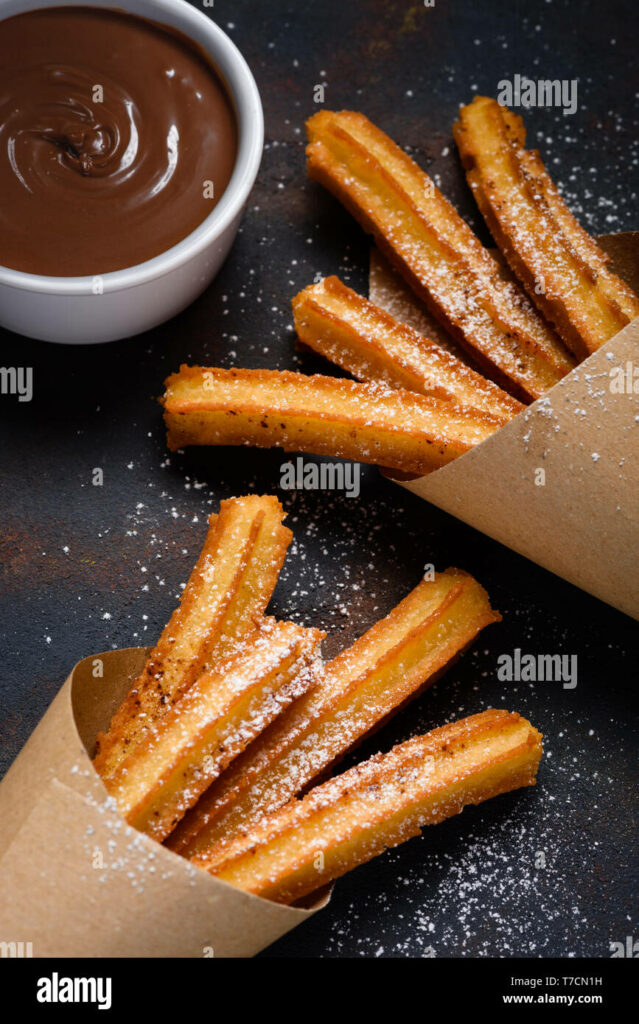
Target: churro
{"type": "Point", "coordinates": [224, 599]}
{"type": "Point", "coordinates": [380, 804]}
{"type": "Point", "coordinates": [389, 665]}
{"type": "Point", "coordinates": [368, 342]}
{"type": "Point", "coordinates": [370, 422]}
{"type": "Point", "coordinates": [562, 268]}
{"type": "Point", "coordinates": [211, 724]}
{"type": "Point", "coordinates": [436, 252]}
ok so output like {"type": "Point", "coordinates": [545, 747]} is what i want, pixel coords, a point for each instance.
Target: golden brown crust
{"type": "Point", "coordinates": [225, 598]}
{"type": "Point", "coordinates": [325, 415]}
{"type": "Point", "coordinates": [617, 292]}
{"type": "Point", "coordinates": [379, 804]}
{"type": "Point", "coordinates": [560, 265]}
{"type": "Point", "coordinates": [386, 667]}
{"type": "Point", "coordinates": [368, 342]}
{"type": "Point", "coordinates": [212, 723]}
{"type": "Point", "coordinates": [436, 252]}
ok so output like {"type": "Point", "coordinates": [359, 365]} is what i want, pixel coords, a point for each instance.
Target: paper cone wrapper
{"type": "Point", "coordinates": [77, 881]}
{"type": "Point", "coordinates": [559, 483]}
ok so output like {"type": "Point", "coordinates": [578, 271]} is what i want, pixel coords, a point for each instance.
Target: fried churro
{"type": "Point", "coordinates": [389, 665]}
{"type": "Point", "coordinates": [224, 599]}
{"type": "Point", "coordinates": [380, 804]}
{"type": "Point", "coordinates": [562, 268]}
{"type": "Point", "coordinates": [436, 252]}
{"type": "Point", "coordinates": [211, 724]}
{"type": "Point", "coordinates": [370, 422]}
{"type": "Point", "coordinates": [368, 342]}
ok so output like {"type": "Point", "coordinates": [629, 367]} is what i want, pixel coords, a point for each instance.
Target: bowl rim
{"type": "Point", "coordinates": [242, 89]}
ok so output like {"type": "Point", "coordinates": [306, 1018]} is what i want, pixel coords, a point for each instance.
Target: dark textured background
{"type": "Point", "coordinates": [85, 568]}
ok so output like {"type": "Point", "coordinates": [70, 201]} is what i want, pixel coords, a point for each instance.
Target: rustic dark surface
{"type": "Point", "coordinates": [85, 568]}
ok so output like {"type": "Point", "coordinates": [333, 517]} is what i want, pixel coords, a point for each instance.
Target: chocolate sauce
{"type": "Point", "coordinates": [117, 139]}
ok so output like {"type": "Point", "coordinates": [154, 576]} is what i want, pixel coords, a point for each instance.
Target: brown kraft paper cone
{"type": "Point", "coordinates": [77, 881]}
{"type": "Point", "coordinates": [582, 522]}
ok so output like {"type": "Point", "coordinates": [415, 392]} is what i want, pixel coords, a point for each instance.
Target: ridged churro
{"type": "Point", "coordinates": [224, 599]}
{"type": "Point", "coordinates": [380, 804]}
{"type": "Point", "coordinates": [211, 724]}
{"type": "Point", "coordinates": [562, 268]}
{"type": "Point", "coordinates": [325, 415]}
{"type": "Point", "coordinates": [386, 667]}
{"type": "Point", "coordinates": [436, 252]}
{"type": "Point", "coordinates": [368, 342]}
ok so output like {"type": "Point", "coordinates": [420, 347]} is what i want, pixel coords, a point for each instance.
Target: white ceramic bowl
{"type": "Point", "coordinates": [83, 310]}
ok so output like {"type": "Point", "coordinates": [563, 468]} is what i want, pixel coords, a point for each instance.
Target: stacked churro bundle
{"type": "Point", "coordinates": [220, 674]}
{"type": "Point", "coordinates": [414, 405]}
{"type": "Point", "coordinates": [235, 717]}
